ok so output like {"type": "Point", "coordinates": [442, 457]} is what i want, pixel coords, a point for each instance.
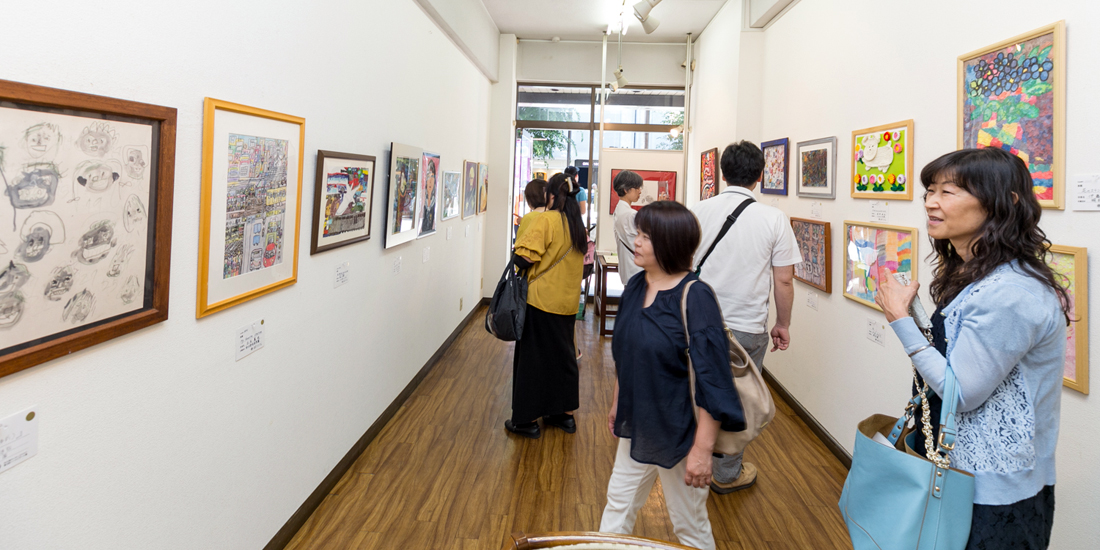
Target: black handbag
{"type": "Point", "coordinates": [508, 307]}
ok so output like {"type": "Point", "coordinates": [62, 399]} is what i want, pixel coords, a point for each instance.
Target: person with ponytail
{"type": "Point", "coordinates": [1000, 324]}
{"type": "Point", "coordinates": [545, 381]}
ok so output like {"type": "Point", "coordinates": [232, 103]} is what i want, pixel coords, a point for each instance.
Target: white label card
{"type": "Point", "coordinates": [427, 253]}
{"type": "Point", "coordinates": [880, 211]}
{"type": "Point", "coordinates": [342, 275]}
{"type": "Point", "coordinates": [815, 210]}
{"type": "Point", "coordinates": [18, 438]}
{"type": "Point", "coordinates": [1086, 193]}
{"type": "Point", "coordinates": [811, 300]}
{"type": "Point", "coordinates": [876, 331]}
{"type": "Point", "coordinates": [249, 339]}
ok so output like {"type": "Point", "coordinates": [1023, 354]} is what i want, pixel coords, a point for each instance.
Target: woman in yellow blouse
{"type": "Point", "coordinates": [544, 368]}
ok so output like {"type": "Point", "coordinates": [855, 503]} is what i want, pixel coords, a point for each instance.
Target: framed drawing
{"type": "Point", "coordinates": [250, 206]}
{"type": "Point", "coordinates": [657, 185]}
{"type": "Point", "coordinates": [403, 197]}
{"type": "Point", "coordinates": [1012, 95]}
{"type": "Point", "coordinates": [817, 168]}
{"type": "Point", "coordinates": [452, 195]}
{"type": "Point", "coordinates": [869, 247]}
{"type": "Point", "coordinates": [343, 194]}
{"type": "Point", "coordinates": [469, 189]}
{"type": "Point", "coordinates": [708, 174]}
{"type": "Point", "coordinates": [428, 209]}
{"type": "Point", "coordinates": [815, 244]}
{"type": "Point", "coordinates": [1071, 263]}
{"type": "Point", "coordinates": [776, 157]}
{"type": "Point", "coordinates": [482, 188]}
{"type": "Point", "coordinates": [882, 162]}
{"type": "Point", "coordinates": [87, 183]}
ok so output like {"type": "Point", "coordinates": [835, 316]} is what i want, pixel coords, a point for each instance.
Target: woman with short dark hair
{"type": "Point", "coordinates": [628, 186]}
{"type": "Point", "coordinates": [652, 411]}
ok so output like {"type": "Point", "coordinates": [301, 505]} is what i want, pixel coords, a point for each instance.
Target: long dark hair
{"type": "Point", "coordinates": [1002, 184]}
{"type": "Point", "coordinates": [565, 200]}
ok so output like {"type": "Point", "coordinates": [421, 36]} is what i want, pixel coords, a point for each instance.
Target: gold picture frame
{"type": "Point", "coordinates": [1077, 337]}
{"type": "Point", "coordinates": [857, 272]}
{"type": "Point", "coordinates": [892, 182]}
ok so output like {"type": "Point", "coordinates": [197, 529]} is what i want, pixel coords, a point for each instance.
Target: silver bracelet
{"type": "Point", "coordinates": [920, 349]}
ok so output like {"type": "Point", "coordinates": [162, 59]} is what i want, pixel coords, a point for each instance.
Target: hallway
{"type": "Point", "coordinates": [444, 474]}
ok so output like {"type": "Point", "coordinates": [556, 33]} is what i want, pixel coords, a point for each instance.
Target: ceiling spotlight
{"type": "Point", "coordinates": [641, 11]}
{"type": "Point", "coordinates": [675, 132]}
{"type": "Point", "coordinates": [620, 80]}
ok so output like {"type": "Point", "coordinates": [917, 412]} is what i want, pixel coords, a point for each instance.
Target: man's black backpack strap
{"type": "Point", "coordinates": [725, 229]}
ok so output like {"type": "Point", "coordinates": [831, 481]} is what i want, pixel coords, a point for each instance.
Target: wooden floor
{"type": "Point", "coordinates": [444, 474]}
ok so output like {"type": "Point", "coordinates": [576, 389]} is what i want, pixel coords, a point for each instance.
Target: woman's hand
{"type": "Point", "coordinates": [893, 297]}
{"type": "Point", "coordinates": [698, 467]}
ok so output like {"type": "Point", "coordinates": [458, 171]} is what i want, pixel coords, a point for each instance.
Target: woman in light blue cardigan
{"type": "Point", "coordinates": [1001, 324]}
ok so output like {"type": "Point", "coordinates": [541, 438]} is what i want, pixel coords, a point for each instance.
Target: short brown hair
{"type": "Point", "coordinates": [535, 193]}
{"type": "Point", "coordinates": [674, 232]}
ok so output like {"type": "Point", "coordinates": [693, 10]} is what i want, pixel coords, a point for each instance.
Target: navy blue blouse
{"type": "Point", "coordinates": [649, 349]}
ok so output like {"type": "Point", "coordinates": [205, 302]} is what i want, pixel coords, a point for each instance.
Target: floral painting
{"type": "Point", "coordinates": [776, 156]}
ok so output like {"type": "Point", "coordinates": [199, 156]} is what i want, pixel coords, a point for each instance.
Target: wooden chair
{"type": "Point", "coordinates": [568, 540]}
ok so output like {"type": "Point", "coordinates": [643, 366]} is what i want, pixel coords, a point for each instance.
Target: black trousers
{"type": "Point", "coordinates": [544, 368]}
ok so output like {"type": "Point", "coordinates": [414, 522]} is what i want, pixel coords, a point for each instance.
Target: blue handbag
{"type": "Point", "coordinates": [896, 499]}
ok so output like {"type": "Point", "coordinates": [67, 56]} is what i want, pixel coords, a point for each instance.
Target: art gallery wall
{"type": "Point", "coordinates": [631, 159]}
{"type": "Point", "coordinates": [832, 67]}
{"type": "Point", "coordinates": [471, 28]}
{"type": "Point", "coordinates": [159, 439]}
{"type": "Point", "coordinates": [573, 62]}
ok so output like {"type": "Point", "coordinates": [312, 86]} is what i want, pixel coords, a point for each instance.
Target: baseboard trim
{"type": "Point", "coordinates": [299, 518]}
{"type": "Point", "coordinates": [815, 426]}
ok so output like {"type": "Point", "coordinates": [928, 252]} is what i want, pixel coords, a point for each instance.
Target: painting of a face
{"type": "Point", "coordinates": [131, 290]}
{"type": "Point", "coordinates": [13, 276]}
{"type": "Point", "coordinates": [135, 163]}
{"type": "Point", "coordinates": [60, 283]}
{"type": "Point", "coordinates": [96, 140]}
{"type": "Point", "coordinates": [133, 213]}
{"type": "Point", "coordinates": [96, 243]}
{"type": "Point", "coordinates": [11, 309]}
{"type": "Point", "coordinates": [41, 139]}
{"type": "Point", "coordinates": [36, 244]}
{"type": "Point", "coordinates": [36, 186]}
{"type": "Point", "coordinates": [95, 176]}
{"type": "Point", "coordinates": [79, 307]}
{"type": "Point", "coordinates": [118, 262]}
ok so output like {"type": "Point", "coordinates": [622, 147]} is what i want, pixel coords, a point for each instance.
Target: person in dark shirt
{"type": "Point", "coordinates": [652, 410]}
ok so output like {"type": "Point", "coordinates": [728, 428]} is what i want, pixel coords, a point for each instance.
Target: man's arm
{"type": "Point", "coordinates": [784, 301]}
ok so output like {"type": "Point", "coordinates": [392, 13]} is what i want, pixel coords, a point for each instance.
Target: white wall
{"type": "Point", "coordinates": [632, 159]}
{"type": "Point", "coordinates": [159, 439]}
{"type": "Point", "coordinates": [502, 152]}
{"type": "Point", "coordinates": [471, 28]}
{"type": "Point", "coordinates": [569, 62]}
{"type": "Point", "coordinates": [823, 76]}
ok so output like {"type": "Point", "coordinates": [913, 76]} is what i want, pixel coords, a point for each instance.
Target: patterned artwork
{"type": "Point", "coordinates": [882, 162]}
{"type": "Point", "coordinates": [814, 242]}
{"type": "Point", "coordinates": [708, 170]}
{"type": "Point", "coordinates": [871, 247]}
{"type": "Point", "coordinates": [816, 171]}
{"type": "Point", "coordinates": [1070, 265]}
{"type": "Point", "coordinates": [776, 156]}
{"type": "Point", "coordinates": [342, 200]}
{"type": "Point", "coordinates": [255, 208]}
{"type": "Point", "coordinates": [814, 168]}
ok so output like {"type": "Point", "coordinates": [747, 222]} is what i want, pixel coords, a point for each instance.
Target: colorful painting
{"type": "Point", "coordinates": [405, 194]}
{"type": "Point", "coordinates": [870, 247]}
{"type": "Point", "coordinates": [1011, 96]}
{"type": "Point", "coordinates": [817, 168]}
{"type": "Point", "coordinates": [657, 185]}
{"type": "Point", "coordinates": [882, 162]}
{"type": "Point", "coordinates": [1070, 265]}
{"type": "Point", "coordinates": [429, 194]}
{"type": "Point", "coordinates": [482, 188]}
{"type": "Point", "coordinates": [452, 194]}
{"type": "Point", "coordinates": [708, 174]}
{"type": "Point", "coordinates": [815, 244]}
{"type": "Point", "coordinates": [342, 200]}
{"type": "Point", "coordinates": [776, 158]}
{"type": "Point", "coordinates": [469, 189]}
{"type": "Point", "coordinates": [255, 204]}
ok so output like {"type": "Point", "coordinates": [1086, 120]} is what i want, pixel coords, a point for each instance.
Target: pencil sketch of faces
{"type": "Point", "coordinates": [96, 175]}
{"type": "Point", "coordinates": [36, 186]}
{"type": "Point", "coordinates": [40, 231]}
{"type": "Point", "coordinates": [133, 213]}
{"type": "Point", "coordinates": [79, 307]}
{"type": "Point", "coordinates": [97, 139]}
{"type": "Point", "coordinates": [131, 290]}
{"type": "Point", "coordinates": [120, 259]}
{"type": "Point", "coordinates": [96, 243]}
{"type": "Point", "coordinates": [13, 276]}
{"type": "Point", "coordinates": [60, 283]}
{"type": "Point", "coordinates": [42, 141]}
{"type": "Point", "coordinates": [135, 162]}
{"type": "Point", "coordinates": [11, 309]}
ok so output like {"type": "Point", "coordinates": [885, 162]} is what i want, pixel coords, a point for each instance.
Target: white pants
{"type": "Point", "coordinates": [629, 487]}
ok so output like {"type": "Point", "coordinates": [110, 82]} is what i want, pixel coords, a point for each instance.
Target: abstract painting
{"type": "Point", "coordinates": [403, 200]}
{"type": "Point", "coordinates": [1070, 265]}
{"type": "Point", "coordinates": [815, 244]}
{"type": "Point", "coordinates": [1012, 95]}
{"type": "Point", "coordinates": [429, 195]}
{"type": "Point", "coordinates": [817, 168]}
{"type": "Point", "coordinates": [882, 162]}
{"type": "Point", "coordinates": [87, 218]}
{"type": "Point", "coordinates": [469, 189]}
{"type": "Point", "coordinates": [657, 185]}
{"type": "Point", "coordinates": [869, 247]}
{"type": "Point", "coordinates": [482, 188]}
{"type": "Point", "coordinates": [776, 157]}
{"type": "Point", "coordinates": [708, 174]}
{"type": "Point", "coordinates": [342, 198]}
{"type": "Point", "coordinates": [452, 194]}
{"type": "Point", "coordinates": [251, 203]}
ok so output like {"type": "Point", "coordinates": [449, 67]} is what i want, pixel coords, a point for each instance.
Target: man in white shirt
{"type": "Point", "coordinates": [628, 186]}
{"type": "Point", "coordinates": [759, 247]}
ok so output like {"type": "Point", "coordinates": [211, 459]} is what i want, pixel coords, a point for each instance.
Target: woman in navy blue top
{"type": "Point", "coordinates": [652, 412]}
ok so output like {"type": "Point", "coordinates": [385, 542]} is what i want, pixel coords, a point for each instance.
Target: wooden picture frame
{"type": "Point", "coordinates": [249, 213]}
{"type": "Point", "coordinates": [403, 194]}
{"type": "Point", "coordinates": [708, 174]}
{"type": "Point", "coordinates": [777, 160]}
{"type": "Point", "coordinates": [469, 189]}
{"type": "Point", "coordinates": [876, 170]}
{"type": "Point", "coordinates": [816, 161]}
{"type": "Point", "coordinates": [1072, 263]}
{"type": "Point", "coordinates": [1012, 95]}
{"type": "Point", "coordinates": [858, 272]}
{"type": "Point", "coordinates": [815, 243]}
{"type": "Point", "coordinates": [340, 220]}
{"type": "Point", "coordinates": [66, 158]}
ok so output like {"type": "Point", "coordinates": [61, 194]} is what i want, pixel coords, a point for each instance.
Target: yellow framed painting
{"type": "Point", "coordinates": [1070, 264]}
{"type": "Point", "coordinates": [869, 247]}
{"type": "Point", "coordinates": [882, 162]}
{"type": "Point", "coordinates": [251, 203]}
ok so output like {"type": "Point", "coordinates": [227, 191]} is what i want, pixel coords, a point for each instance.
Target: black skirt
{"type": "Point", "coordinates": [544, 367]}
{"type": "Point", "coordinates": [1024, 525]}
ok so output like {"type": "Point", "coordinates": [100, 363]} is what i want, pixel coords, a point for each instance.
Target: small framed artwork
{"type": "Point", "coordinates": [815, 244]}
{"type": "Point", "coordinates": [343, 194]}
{"type": "Point", "coordinates": [1070, 264]}
{"type": "Point", "coordinates": [708, 174]}
{"type": "Point", "coordinates": [87, 181]}
{"type": "Point", "coordinates": [429, 194]}
{"type": "Point", "coordinates": [817, 168]}
{"type": "Point", "coordinates": [776, 158]}
{"type": "Point", "coordinates": [882, 162]}
{"type": "Point", "coordinates": [482, 188]}
{"type": "Point", "coordinates": [403, 197]}
{"type": "Point", "coordinates": [251, 203]}
{"type": "Point", "coordinates": [1012, 95]}
{"type": "Point", "coordinates": [869, 247]}
{"type": "Point", "coordinates": [469, 189]}
{"type": "Point", "coordinates": [452, 195]}
{"type": "Point", "coordinates": [657, 185]}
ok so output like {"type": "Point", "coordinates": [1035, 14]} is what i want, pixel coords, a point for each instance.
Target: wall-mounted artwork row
{"type": "Point", "coordinates": [1012, 95]}
{"type": "Point", "coordinates": [657, 185]}
{"type": "Point", "coordinates": [817, 168]}
{"type": "Point", "coordinates": [401, 198]}
{"type": "Point", "coordinates": [708, 174]}
{"type": "Point", "coordinates": [251, 204]}
{"type": "Point", "coordinates": [342, 198]}
{"type": "Point", "coordinates": [452, 195]}
{"type": "Point", "coordinates": [428, 195]}
{"type": "Point", "coordinates": [869, 247]}
{"type": "Point", "coordinates": [815, 244]}
{"type": "Point", "coordinates": [86, 227]}
{"type": "Point", "coordinates": [882, 162]}
{"type": "Point", "coordinates": [469, 189]}
{"type": "Point", "coordinates": [1070, 264]}
{"type": "Point", "coordinates": [777, 156]}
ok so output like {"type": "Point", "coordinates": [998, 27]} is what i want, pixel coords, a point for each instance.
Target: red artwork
{"type": "Point", "coordinates": [657, 186]}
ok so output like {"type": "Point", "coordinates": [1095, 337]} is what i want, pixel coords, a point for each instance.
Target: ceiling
{"type": "Point", "coordinates": [588, 19]}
